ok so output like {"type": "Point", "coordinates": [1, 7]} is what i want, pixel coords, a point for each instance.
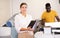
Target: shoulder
{"type": "Point", "coordinates": [53, 11]}
{"type": "Point", "coordinates": [44, 13]}
{"type": "Point", "coordinates": [18, 15]}
{"type": "Point", "coordinates": [29, 15]}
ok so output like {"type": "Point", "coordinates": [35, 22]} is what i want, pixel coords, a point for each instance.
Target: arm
{"type": "Point", "coordinates": [23, 29]}
{"type": "Point", "coordinates": [43, 18]}
{"type": "Point", "coordinates": [17, 26]}
{"type": "Point", "coordinates": [26, 29]}
{"type": "Point", "coordinates": [57, 18]}
{"type": "Point", "coordinates": [30, 29]}
{"type": "Point", "coordinates": [43, 21]}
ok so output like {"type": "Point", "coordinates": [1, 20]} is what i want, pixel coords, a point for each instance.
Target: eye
{"type": "Point", "coordinates": [25, 7]}
{"type": "Point", "coordinates": [22, 7]}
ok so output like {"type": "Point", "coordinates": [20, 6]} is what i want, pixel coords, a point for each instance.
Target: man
{"type": "Point", "coordinates": [49, 15]}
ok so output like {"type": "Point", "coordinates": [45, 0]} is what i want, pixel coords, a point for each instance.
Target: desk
{"type": "Point", "coordinates": [42, 35]}
{"type": "Point", "coordinates": [54, 26]}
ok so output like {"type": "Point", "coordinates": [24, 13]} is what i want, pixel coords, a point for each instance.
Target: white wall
{"type": "Point", "coordinates": [36, 7]}
{"type": "Point", "coordinates": [4, 11]}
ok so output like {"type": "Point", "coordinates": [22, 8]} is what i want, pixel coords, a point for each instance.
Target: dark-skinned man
{"type": "Point", "coordinates": [49, 15]}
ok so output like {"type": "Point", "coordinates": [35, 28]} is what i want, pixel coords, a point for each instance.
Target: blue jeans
{"type": "Point", "coordinates": [14, 33]}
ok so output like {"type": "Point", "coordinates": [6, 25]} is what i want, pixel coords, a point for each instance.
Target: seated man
{"type": "Point", "coordinates": [49, 15]}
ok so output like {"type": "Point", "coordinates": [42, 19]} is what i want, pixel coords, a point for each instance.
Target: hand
{"type": "Point", "coordinates": [30, 29]}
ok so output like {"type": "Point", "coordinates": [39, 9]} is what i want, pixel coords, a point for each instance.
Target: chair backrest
{"type": "Point", "coordinates": [9, 24]}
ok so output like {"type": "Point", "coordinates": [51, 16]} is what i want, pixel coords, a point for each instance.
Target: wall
{"type": "Point", "coordinates": [4, 11]}
{"type": "Point", "coordinates": [36, 7]}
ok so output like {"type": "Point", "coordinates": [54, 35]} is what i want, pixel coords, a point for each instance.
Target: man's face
{"type": "Point", "coordinates": [48, 8]}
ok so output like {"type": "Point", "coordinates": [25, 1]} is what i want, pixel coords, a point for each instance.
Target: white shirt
{"type": "Point", "coordinates": [21, 21]}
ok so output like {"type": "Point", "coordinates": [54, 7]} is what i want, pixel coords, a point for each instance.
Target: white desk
{"type": "Point", "coordinates": [54, 25]}
{"type": "Point", "coordinates": [42, 35]}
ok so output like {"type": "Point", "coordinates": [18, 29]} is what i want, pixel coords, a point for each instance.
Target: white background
{"type": "Point", "coordinates": [36, 7]}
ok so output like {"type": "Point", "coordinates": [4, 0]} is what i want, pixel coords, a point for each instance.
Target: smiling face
{"type": "Point", "coordinates": [23, 7]}
{"type": "Point", "coordinates": [48, 7]}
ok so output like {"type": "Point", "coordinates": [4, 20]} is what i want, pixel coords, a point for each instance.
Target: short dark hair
{"type": "Point", "coordinates": [47, 4]}
{"type": "Point", "coordinates": [23, 4]}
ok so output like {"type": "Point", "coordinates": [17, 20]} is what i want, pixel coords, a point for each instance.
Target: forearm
{"type": "Point", "coordinates": [43, 22]}
{"type": "Point", "coordinates": [23, 29]}
{"type": "Point", "coordinates": [30, 29]}
{"type": "Point", "coordinates": [26, 29]}
{"type": "Point", "coordinates": [58, 19]}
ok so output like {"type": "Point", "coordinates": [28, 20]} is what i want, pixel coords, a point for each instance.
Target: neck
{"type": "Point", "coordinates": [48, 11]}
{"type": "Point", "coordinates": [24, 14]}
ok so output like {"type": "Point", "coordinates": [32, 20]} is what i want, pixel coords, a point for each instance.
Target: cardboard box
{"type": "Point", "coordinates": [26, 34]}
